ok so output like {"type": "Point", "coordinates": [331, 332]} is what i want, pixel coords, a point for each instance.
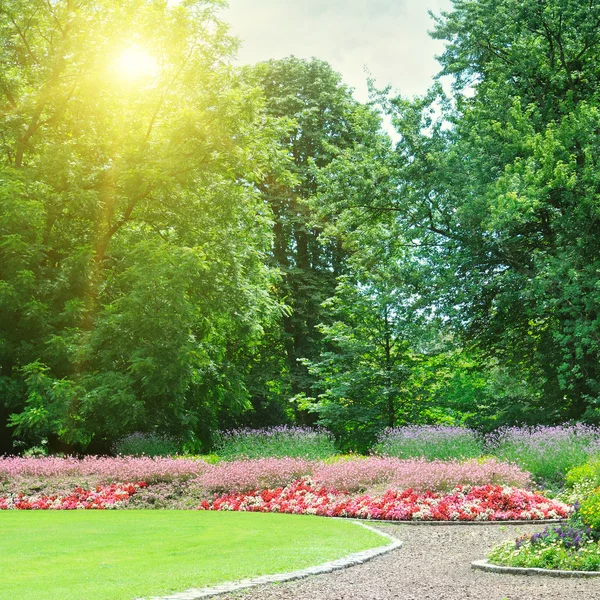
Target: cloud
{"type": "Point", "coordinates": [388, 37]}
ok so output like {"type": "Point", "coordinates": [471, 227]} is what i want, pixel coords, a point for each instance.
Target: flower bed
{"type": "Point", "coordinates": [566, 547]}
{"type": "Point", "coordinates": [103, 497]}
{"type": "Point", "coordinates": [419, 474]}
{"type": "Point", "coordinates": [103, 468]}
{"type": "Point", "coordinates": [464, 503]}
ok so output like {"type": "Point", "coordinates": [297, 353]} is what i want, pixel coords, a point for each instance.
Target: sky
{"type": "Point", "coordinates": [387, 37]}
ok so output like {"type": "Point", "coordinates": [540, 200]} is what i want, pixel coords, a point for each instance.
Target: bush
{"type": "Point", "coordinates": [588, 473]}
{"type": "Point", "coordinates": [546, 452]}
{"type": "Point", "coordinates": [146, 444]}
{"type": "Point", "coordinates": [589, 512]}
{"type": "Point", "coordinates": [275, 442]}
{"type": "Point", "coordinates": [432, 442]}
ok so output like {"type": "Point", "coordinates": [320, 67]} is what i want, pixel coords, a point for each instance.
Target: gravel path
{"type": "Point", "coordinates": [433, 564]}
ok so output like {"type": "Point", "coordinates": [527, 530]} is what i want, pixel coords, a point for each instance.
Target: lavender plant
{"type": "Point", "coordinates": [432, 442]}
{"type": "Point", "coordinates": [547, 452]}
{"type": "Point", "coordinates": [276, 442]}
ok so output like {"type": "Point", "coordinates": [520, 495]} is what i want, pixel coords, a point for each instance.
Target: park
{"type": "Point", "coordinates": [298, 300]}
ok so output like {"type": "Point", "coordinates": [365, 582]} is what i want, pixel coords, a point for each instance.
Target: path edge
{"type": "Point", "coordinates": [484, 565]}
{"type": "Point", "coordinates": [328, 567]}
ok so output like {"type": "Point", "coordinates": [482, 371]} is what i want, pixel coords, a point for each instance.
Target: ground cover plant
{"type": "Point", "coordinates": [132, 554]}
{"type": "Point", "coordinates": [432, 442]}
{"type": "Point", "coordinates": [103, 497]}
{"type": "Point", "coordinates": [464, 503]}
{"type": "Point", "coordinates": [278, 442]}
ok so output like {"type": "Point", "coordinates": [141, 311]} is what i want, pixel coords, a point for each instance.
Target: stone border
{"type": "Point", "coordinates": [484, 565]}
{"type": "Point", "coordinates": [460, 523]}
{"type": "Point", "coordinates": [341, 563]}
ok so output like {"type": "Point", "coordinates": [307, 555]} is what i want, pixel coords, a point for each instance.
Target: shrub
{"type": "Point", "coordinates": [146, 444]}
{"type": "Point", "coordinates": [589, 511]}
{"type": "Point", "coordinates": [432, 442]}
{"type": "Point", "coordinates": [275, 442]}
{"type": "Point", "coordinates": [588, 473]}
{"type": "Point", "coordinates": [547, 452]}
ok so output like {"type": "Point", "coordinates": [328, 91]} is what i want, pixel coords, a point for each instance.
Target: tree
{"type": "Point", "coordinates": [361, 373]}
{"type": "Point", "coordinates": [132, 230]}
{"type": "Point", "coordinates": [502, 192]}
{"type": "Point", "coordinates": [324, 120]}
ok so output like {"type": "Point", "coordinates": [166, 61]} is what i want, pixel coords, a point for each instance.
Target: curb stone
{"type": "Point", "coordinates": [341, 563]}
{"type": "Point", "coordinates": [461, 523]}
{"type": "Point", "coordinates": [484, 565]}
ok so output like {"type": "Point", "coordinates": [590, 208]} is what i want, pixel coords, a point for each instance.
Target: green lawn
{"type": "Point", "coordinates": [121, 555]}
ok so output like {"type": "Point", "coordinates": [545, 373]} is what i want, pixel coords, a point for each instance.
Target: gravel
{"type": "Point", "coordinates": [433, 564]}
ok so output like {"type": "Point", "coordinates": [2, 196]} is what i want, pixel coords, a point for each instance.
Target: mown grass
{"type": "Point", "coordinates": [121, 555]}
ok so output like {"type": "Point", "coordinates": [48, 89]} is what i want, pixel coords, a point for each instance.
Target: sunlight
{"type": "Point", "coordinates": [135, 63]}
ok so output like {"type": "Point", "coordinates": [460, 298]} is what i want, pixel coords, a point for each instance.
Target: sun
{"type": "Point", "coordinates": [135, 63]}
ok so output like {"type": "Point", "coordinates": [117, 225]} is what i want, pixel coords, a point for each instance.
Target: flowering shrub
{"type": "Point", "coordinates": [112, 496]}
{"type": "Point", "coordinates": [282, 441]}
{"type": "Point", "coordinates": [589, 512]}
{"type": "Point", "coordinates": [419, 474]}
{"type": "Point", "coordinates": [464, 503]}
{"type": "Point", "coordinates": [547, 452]}
{"type": "Point", "coordinates": [101, 469]}
{"type": "Point", "coordinates": [432, 442]}
{"type": "Point", "coordinates": [243, 475]}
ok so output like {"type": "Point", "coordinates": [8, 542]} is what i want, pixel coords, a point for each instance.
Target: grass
{"type": "Point", "coordinates": [121, 555]}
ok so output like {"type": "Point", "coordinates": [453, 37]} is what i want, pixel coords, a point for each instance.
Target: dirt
{"type": "Point", "coordinates": [434, 563]}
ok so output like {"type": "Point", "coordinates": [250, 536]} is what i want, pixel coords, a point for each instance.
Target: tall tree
{"type": "Point", "coordinates": [324, 120]}
{"type": "Point", "coordinates": [132, 230]}
{"type": "Point", "coordinates": [503, 192]}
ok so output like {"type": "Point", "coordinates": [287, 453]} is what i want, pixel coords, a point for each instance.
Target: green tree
{"type": "Point", "coordinates": [324, 121]}
{"type": "Point", "coordinates": [501, 190]}
{"type": "Point", "coordinates": [132, 231]}
{"type": "Point", "coordinates": [361, 373]}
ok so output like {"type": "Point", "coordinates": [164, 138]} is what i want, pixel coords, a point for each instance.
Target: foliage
{"type": "Point", "coordinates": [546, 452]}
{"type": "Point", "coordinates": [156, 553]}
{"type": "Point", "coordinates": [282, 441]}
{"type": "Point", "coordinates": [133, 274]}
{"type": "Point", "coordinates": [324, 121]}
{"type": "Point", "coordinates": [146, 444]}
{"type": "Point", "coordinates": [588, 473]}
{"type": "Point", "coordinates": [430, 442]}
{"type": "Point", "coordinates": [500, 192]}
{"type": "Point", "coordinates": [589, 512]}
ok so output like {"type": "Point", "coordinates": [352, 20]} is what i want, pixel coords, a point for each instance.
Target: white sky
{"type": "Point", "coordinates": [387, 37]}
